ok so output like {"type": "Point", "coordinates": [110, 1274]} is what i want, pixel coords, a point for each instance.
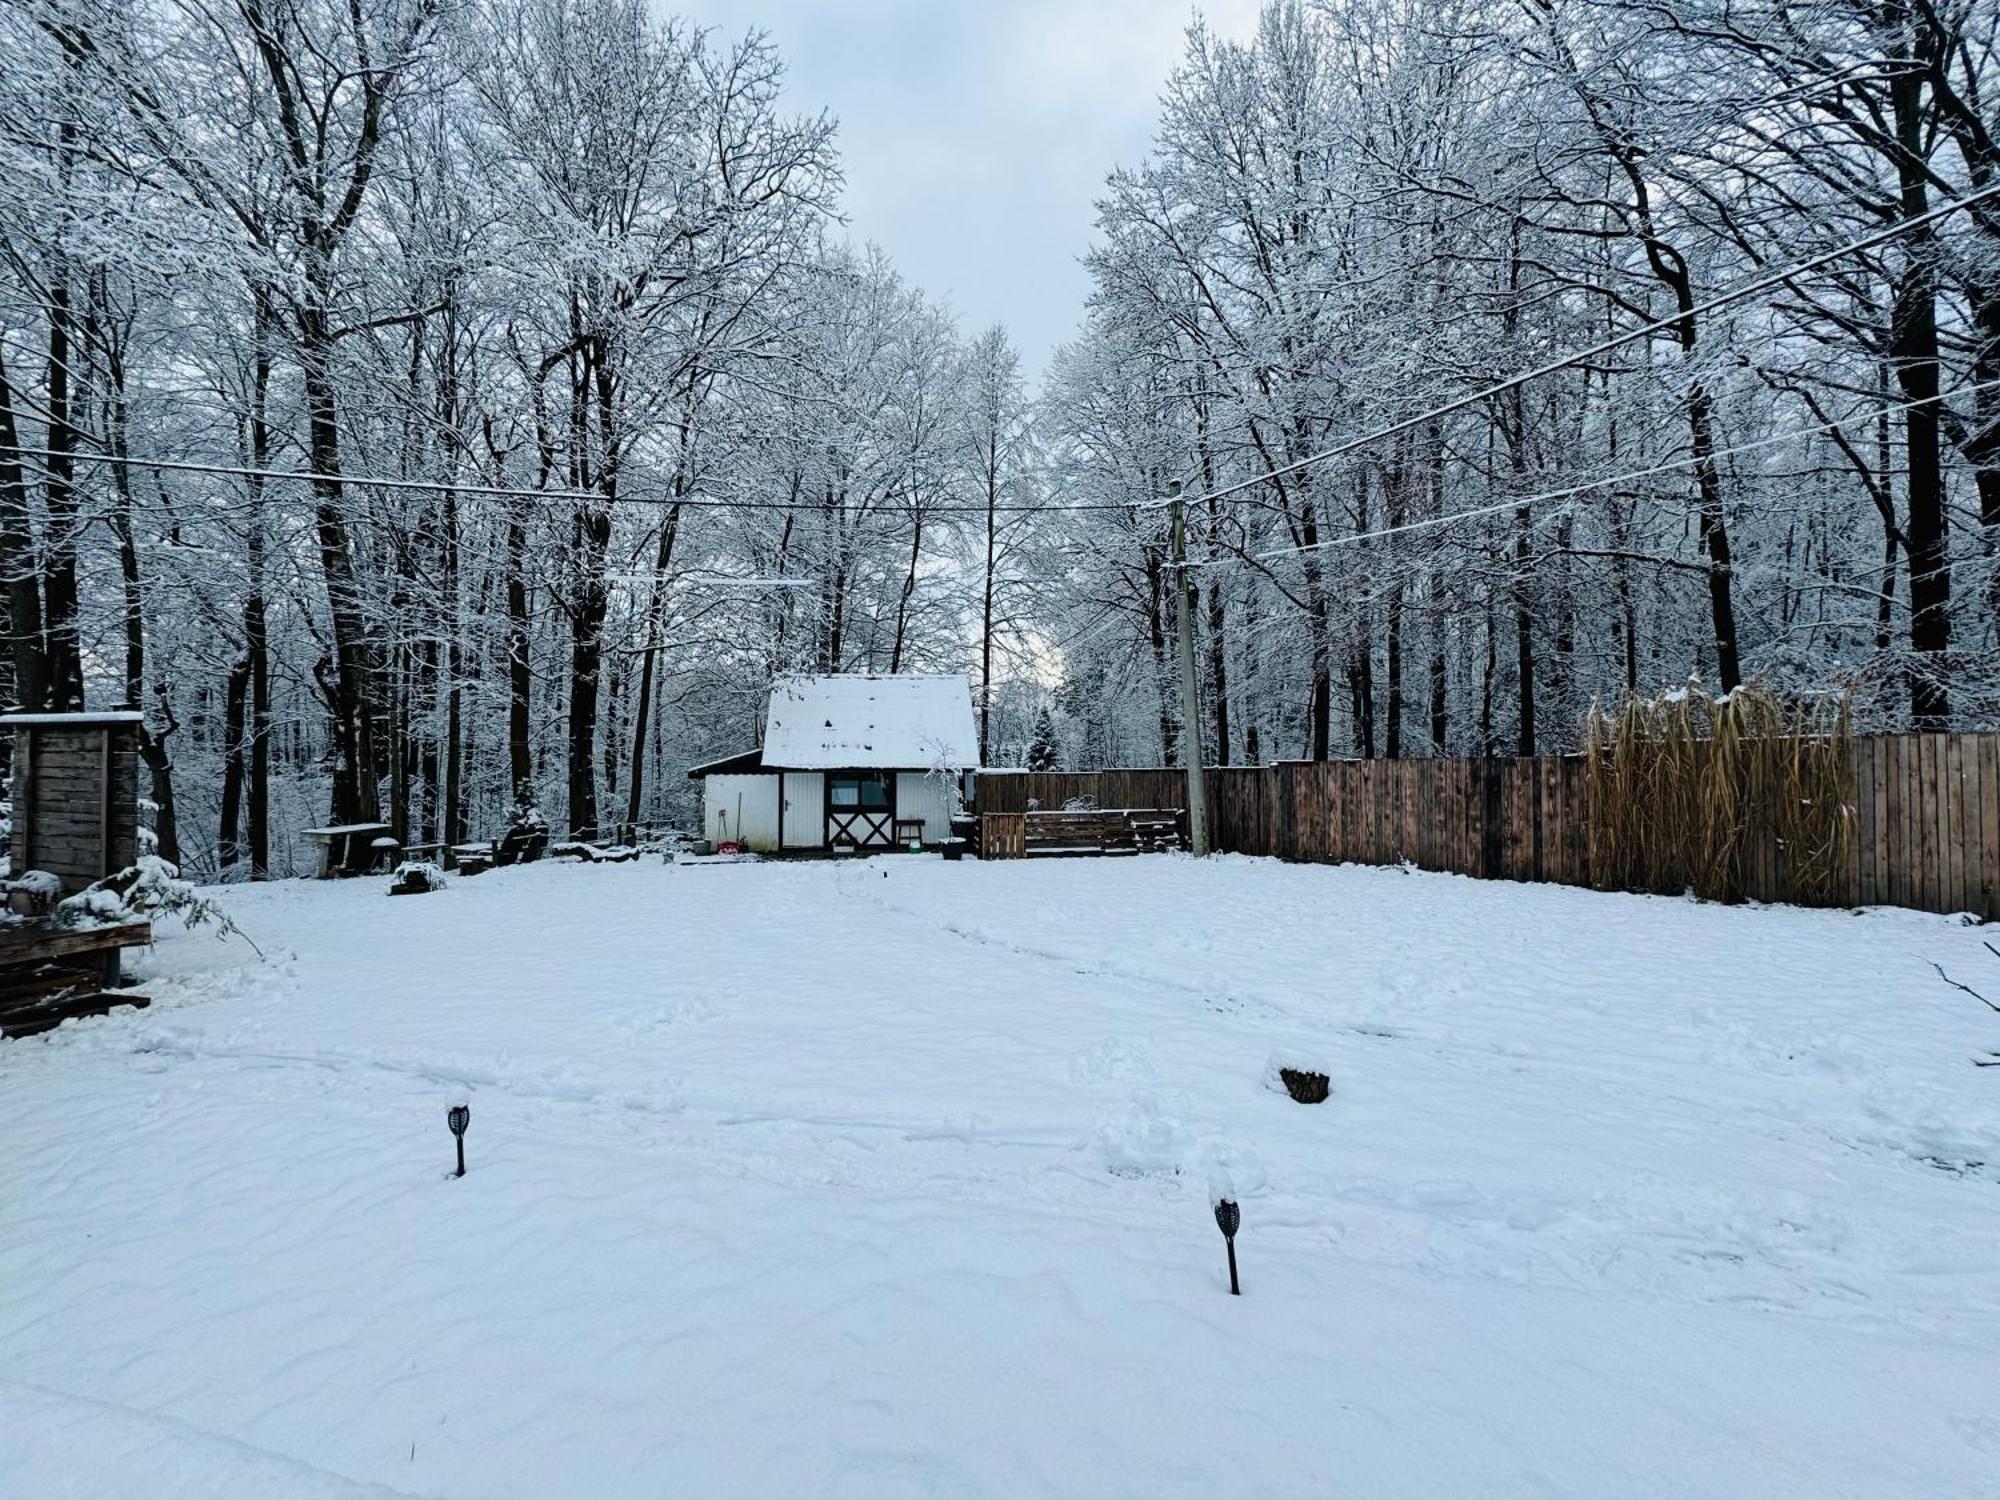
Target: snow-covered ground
{"type": "Point", "coordinates": [892, 1179]}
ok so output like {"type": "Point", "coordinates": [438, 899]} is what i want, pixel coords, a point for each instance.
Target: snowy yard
{"type": "Point", "coordinates": [891, 1179]}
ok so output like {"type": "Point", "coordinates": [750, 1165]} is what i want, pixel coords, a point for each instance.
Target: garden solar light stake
{"type": "Point", "coordinates": [460, 1115]}
{"type": "Point", "coordinates": [1222, 1194]}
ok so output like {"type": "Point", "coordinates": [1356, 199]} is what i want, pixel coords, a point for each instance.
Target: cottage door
{"type": "Point", "coordinates": [860, 810]}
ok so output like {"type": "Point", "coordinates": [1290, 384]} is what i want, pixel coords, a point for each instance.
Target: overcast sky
{"type": "Point", "coordinates": [976, 134]}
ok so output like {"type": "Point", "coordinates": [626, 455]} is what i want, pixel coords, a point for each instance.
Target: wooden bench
{"type": "Point", "coordinates": [51, 974]}
{"type": "Point", "coordinates": [471, 859]}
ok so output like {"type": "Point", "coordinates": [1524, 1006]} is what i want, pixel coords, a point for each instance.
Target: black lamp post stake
{"type": "Point", "coordinates": [1227, 1217]}
{"type": "Point", "coordinates": [458, 1117]}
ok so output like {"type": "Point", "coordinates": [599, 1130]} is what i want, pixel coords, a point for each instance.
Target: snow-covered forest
{"type": "Point", "coordinates": [609, 415]}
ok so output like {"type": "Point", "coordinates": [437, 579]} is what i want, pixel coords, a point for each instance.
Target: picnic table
{"type": "Point", "coordinates": [349, 848]}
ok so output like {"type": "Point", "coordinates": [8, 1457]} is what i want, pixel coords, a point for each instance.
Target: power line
{"type": "Point", "coordinates": [1449, 408]}
{"type": "Point", "coordinates": [1667, 466]}
{"type": "Point", "coordinates": [494, 491]}
{"type": "Point", "coordinates": [1722, 299]}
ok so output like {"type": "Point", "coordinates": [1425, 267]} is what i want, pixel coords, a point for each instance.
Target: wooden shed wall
{"type": "Point", "coordinates": [76, 801]}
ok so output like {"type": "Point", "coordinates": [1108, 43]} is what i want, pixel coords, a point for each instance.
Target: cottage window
{"type": "Point", "coordinates": [867, 792]}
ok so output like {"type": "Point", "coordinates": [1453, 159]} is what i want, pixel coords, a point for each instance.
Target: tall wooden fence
{"type": "Point", "coordinates": [1923, 820]}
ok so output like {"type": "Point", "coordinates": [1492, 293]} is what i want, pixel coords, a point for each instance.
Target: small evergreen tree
{"type": "Point", "coordinates": [1044, 748]}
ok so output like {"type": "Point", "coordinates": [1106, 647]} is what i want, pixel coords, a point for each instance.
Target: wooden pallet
{"type": "Point", "coordinates": [51, 974]}
{"type": "Point", "coordinates": [1100, 831]}
{"type": "Point", "coordinates": [48, 1014]}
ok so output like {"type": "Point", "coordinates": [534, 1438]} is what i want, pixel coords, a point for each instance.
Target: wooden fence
{"type": "Point", "coordinates": [1923, 823]}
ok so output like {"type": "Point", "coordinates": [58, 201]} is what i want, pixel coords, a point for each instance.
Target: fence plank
{"type": "Point", "coordinates": [1934, 804]}
{"type": "Point", "coordinates": [1549, 843]}
{"type": "Point", "coordinates": [1887, 836]}
{"type": "Point", "coordinates": [1951, 857]}
{"type": "Point", "coordinates": [1921, 802]}
{"type": "Point", "coordinates": [1971, 889]}
{"type": "Point", "coordinates": [1989, 824]}
{"type": "Point", "coordinates": [1896, 784]}
{"type": "Point", "coordinates": [1863, 829]}
{"type": "Point", "coordinates": [1881, 757]}
{"type": "Point", "coordinates": [1913, 820]}
{"type": "Point", "coordinates": [1970, 895]}
{"type": "Point", "coordinates": [1414, 811]}
{"type": "Point", "coordinates": [1964, 819]}
{"type": "Point", "coordinates": [1934, 822]}
{"type": "Point", "coordinates": [1931, 800]}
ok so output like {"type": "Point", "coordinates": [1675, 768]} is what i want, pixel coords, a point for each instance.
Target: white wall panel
{"type": "Point", "coordinates": [741, 808]}
{"type": "Point", "coordinates": [920, 795]}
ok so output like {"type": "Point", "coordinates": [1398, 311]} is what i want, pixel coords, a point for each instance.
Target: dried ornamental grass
{"type": "Point", "coordinates": [1686, 788]}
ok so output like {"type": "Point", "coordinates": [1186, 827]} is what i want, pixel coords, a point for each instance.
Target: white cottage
{"type": "Point", "coordinates": [848, 762]}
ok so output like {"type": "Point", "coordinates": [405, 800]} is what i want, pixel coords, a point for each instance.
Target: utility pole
{"type": "Point", "coordinates": [1190, 694]}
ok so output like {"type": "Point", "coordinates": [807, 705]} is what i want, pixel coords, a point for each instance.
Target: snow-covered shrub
{"type": "Point", "coordinates": [146, 890]}
{"type": "Point", "coordinates": [415, 875]}
{"type": "Point", "coordinates": [33, 894]}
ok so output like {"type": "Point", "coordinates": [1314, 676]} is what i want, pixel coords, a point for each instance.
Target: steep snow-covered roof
{"type": "Point", "coordinates": [823, 723]}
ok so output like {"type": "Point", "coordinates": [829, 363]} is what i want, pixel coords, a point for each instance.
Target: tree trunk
{"type": "Point", "coordinates": [64, 652]}
{"type": "Point", "coordinates": [1156, 632]}
{"type": "Point", "coordinates": [1524, 635]}
{"type": "Point", "coordinates": [356, 789]}
{"type": "Point", "coordinates": [520, 683]}
{"type": "Point", "coordinates": [152, 744]}
{"type": "Point", "coordinates": [1913, 350]}
{"type": "Point", "coordinates": [1218, 669]}
{"type": "Point", "coordinates": [17, 563]}
{"type": "Point", "coordinates": [1392, 727]}
{"type": "Point", "coordinates": [656, 614]}
{"type": "Point", "coordinates": [987, 590]}
{"type": "Point", "coordinates": [228, 846]}
{"type": "Point", "coordinates": [908, 589]}
{"type": "Point", "coordinates": [256, 637]}
{"type": "Point", "coordinates": [594, 394]}
{"type": "Point", "coordinates": [451, 828]}
{"type": "Point", "coordinates": [1250, 686]}
{"type": "Point", "coordinates": [1439, 704]}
